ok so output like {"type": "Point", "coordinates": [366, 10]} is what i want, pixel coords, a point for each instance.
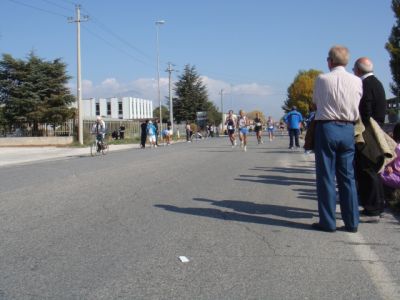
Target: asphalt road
{"type": "Point", "coordinates": [114, 227]}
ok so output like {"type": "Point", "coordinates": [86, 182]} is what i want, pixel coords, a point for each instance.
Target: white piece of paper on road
{"type": "Point", "coordinates": [183, 259]}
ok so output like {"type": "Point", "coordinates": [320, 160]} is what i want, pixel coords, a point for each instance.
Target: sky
{"type": "Point", "coordinates": [252, 50]}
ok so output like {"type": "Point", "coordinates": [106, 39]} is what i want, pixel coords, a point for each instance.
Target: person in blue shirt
{"type": "Point", "coordinates": [151, 133]}
{"type": "Point", "coordinates": [293, 120]}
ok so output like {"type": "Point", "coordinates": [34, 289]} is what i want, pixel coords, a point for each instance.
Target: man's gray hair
{"type": "Point", "coordinates": [365, 65]}
{"type": "Point", "coordinates": [339, 55]}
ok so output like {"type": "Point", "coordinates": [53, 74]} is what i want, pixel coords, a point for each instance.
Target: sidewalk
{"type": "Point", "coordinates": [19, 155]}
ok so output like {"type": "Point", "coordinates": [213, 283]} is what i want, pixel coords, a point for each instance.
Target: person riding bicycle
{"type": "Point", "coordinates": [99, 129]}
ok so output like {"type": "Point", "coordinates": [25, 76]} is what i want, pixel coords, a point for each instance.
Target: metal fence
{"type": "Point", "coordinates": [69, 128]}
{"type": "Point", "coordinates": [25, 129]}
{"type": "Point", "coordinates": [132, 128]}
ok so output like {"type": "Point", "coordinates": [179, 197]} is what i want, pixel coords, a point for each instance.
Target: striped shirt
{"type": "Point", "coordinates": [337, 95]}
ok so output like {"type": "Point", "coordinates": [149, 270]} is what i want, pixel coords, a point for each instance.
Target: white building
{"type": "Point", "coordinates": [126, 108]}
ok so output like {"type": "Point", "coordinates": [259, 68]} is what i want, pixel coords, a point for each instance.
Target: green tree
{"type": "Point", "coordinates": [393, 47]}
{"type": "Point", "coordinates": [34, 90]}
{"type": "Point", "coordinates": [164, 113]}
{"type": "Point", "coordinates": [300, 91]}
{"type": "Point", "coordinates": [191, 96]}
{"type": "Point", "coordinates": [3, 121]}
{"type": "Point", "coordinates": [213, 115]}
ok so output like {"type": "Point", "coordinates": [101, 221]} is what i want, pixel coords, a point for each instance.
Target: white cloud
{"type": "Point", "coordinates": [247, 96]}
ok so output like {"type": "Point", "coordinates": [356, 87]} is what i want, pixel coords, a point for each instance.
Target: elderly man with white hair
{"type": "Point", "coordinates": [372, 105]}
{"type": "Point", "coordinates": [373, 101]}
{"type": "Point", "coordinates": [336, 95]}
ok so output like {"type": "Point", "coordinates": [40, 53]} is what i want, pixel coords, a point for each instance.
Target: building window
{"type": "Point", "coordinates": [97, 109]}
{"type": "Point", "coordinates": [108, 108]}
{"type": "Point", "coordinates": [120, 108]}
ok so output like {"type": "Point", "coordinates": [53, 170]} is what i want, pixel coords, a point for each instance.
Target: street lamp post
{"type": "Point", "coordinates": [222, 110]}
{"type": "Point", "coordinates": [158, 24]}
{"type": "Point", "coordinates": [171, 106]}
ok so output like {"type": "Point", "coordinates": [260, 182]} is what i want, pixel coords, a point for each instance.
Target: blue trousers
{"type": "Point", "coordinates": [294, 135]}
{"type": "Point", "coordinates": [334, 155]}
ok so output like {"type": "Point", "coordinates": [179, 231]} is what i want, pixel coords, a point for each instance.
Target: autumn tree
{"type": "Point", "coordinates": [252, 115]}
{"type": "Point", "coordinates": [300, 92]}
{"type": "Point", "coordinates": [393, 47]}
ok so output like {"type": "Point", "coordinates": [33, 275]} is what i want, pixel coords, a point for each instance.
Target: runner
{"type": "Point", "coordinates": [270, 128]}
{"type": "Point", "coordinates": [258, 128]}
{"type": "Point", "coordinates": [230, 127]}
{"type": "Point", "coordinates": [243, 124]}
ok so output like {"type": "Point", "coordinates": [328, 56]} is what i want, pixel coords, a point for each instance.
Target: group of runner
{"type": "Point", "coordinates": [242, 124]}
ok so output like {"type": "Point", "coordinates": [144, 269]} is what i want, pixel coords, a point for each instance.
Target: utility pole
{"type": "Point", "coordinates": [222, 110]}
{"type": "Point", "coordinates": [171, 106]}
{"type": "Point", "coordinates": [78, 21]}
{"type": "Point", "coordinates": [158, 24]}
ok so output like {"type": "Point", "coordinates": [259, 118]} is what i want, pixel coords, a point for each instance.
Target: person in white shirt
{"type": "Point", "coordinates": [99, 130]}
{"type": "Point", "coordinates": [337, 96]}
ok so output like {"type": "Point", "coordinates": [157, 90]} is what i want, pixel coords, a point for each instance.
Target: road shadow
{"type": "Point", "coordinates": [293, 170]}
{"type": "Point", "coordinates": [262, 209]}
{"type": "Point", "coordinates": [307, 194]}
{"type": "Point", "coordinates": [219, 151]}
{"type": "Point", "coordinates": [246, 212]}
{"type": "Point", "coordinates": [277, 180]}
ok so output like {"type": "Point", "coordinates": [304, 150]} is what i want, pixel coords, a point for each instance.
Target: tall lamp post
{"type": "Point", "coordinates": [158, 24]}
{"type": "Point", "coordinates": [222, 110]}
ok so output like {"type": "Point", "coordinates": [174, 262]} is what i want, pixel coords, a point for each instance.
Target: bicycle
{"type": "Point", "coordinates": [99, 146]}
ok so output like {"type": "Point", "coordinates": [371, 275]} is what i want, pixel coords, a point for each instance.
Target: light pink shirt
{"type": "Point", "coordinates": [337, 95]}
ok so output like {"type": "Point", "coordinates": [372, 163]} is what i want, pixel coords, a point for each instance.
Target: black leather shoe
{"type": "Point", "coordinates": [349, 229]}
{"type": "Point", "coordinates": [319, 227]}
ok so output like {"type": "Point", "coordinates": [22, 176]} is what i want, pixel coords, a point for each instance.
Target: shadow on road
{"type": "Point", "coordinates": [262, 209]}
{"type": "Point", "coordinates": [302, 170]}
{"type": "Point", "coordinates": [247, 212]}
{"type": "Point", "coordinates": [308, 194]}
{"type": "Point", "coordinates": [278, 180]}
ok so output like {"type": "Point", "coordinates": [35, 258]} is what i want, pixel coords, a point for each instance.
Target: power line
{"type": "Point", "coordinates": [57, 5]}
{"type": "Point", "coordinates": [38, 8]}
{"type": "Point", "coordinates": [70, 2]}
{"type": "Point", "coordinates": [115, 47]}
{"type": "Point", "coordinates": [122, 40]}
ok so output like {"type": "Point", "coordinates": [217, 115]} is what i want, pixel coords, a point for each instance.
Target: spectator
{"type": "Point", "coordinates": [337, 95]}
{"type": "Point", "coordinates": [293, 120]}
{"type": "Point", "coordinates": [188, 132]}
{"type": "Point", "coordinates": [143, 135]}
{"type": "Point", "coordinates": [167, 134]}
{"type": "Point", "coordinates": [156, 123]}
{"type": "Point", "coordinates": [391, 175]}
{"type": "Point", "coordinates": [122, 132]}
{"type": "Point", "coordinates": [151, 133]}
{"type": "Point", "coordinates": [372, 105]}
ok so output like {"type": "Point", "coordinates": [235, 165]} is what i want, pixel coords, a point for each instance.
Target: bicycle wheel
{"type": "Point", "coordinates": [93, 149]}
{"type": "Point", "coordinates": [104, 148]}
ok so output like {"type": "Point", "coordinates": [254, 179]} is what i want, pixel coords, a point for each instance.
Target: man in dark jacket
{"type": "Point", "coordinates": [143, 134]}
{"type": "Point", "coordinates": [372, 105]}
